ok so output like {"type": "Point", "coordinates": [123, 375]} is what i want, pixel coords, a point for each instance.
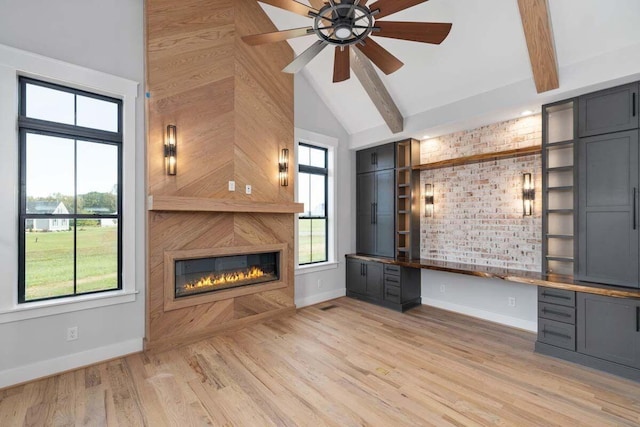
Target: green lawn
{"type": "Point", "coordinates": [49, 262]}
{"type": "Point", "coordinates": [311, 240]}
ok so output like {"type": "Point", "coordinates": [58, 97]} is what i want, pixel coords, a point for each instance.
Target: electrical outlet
{"type": "Point", "coordinates": [512, 301]}
{"type": "Point", "coordinates": [72, 333]}
{"type": "Point", "coordinates": [442, 289]}
{"type": "Point", "coordinates": [232, 186]}
{"type": "Point", "coordinates": [319, 283]}
{"type": "Point", "coordinates": [248, 189]}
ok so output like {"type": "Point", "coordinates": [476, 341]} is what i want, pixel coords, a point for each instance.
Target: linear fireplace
{"type": "Point", "coordinates": [212, 274]}
{"type": "Point", "coordinates": [200, 276]}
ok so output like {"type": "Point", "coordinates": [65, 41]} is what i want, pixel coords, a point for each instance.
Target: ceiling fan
{"type": "Point", "coordinates": [351, 23]}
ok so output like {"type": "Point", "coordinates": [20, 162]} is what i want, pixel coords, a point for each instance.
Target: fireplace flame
{"type": "Point", "coordinates": [225, 278]}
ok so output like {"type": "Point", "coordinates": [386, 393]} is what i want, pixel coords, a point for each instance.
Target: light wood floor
{"type": "Point", "coordinates": [339, 363]}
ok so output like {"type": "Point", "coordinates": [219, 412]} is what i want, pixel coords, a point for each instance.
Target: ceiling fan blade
{"type": "Point", "coordinates": [380, 56]}
{"type": "Point", "coordinates": [424, 32]}
{"type": "Point", "coordinates": [277, 36]}
{"type": "Point", "coordinates": [305, 57]}
{"type": "Point", "coordinates": [291, 6]}
{"type": "Point", "coordinates": [389, 7]}
{"type": "Point", "coordinates": [341, 69]}
{"type": "Point", "coordinates": [317, 4]}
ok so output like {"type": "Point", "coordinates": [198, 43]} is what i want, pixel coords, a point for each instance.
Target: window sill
{"type": "Point", "coordinates": [65, 305]}
{"type": "Point", "coordinates": [314, 268]}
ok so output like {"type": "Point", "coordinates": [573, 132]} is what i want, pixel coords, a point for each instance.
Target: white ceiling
{"type": "Point", "coordinates": [481, 63]}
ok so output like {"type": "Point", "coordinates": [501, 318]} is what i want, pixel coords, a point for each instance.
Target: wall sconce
{"type": "Point", "coordinates": [283, 167]}
{"type": "Point", "coordinates": [428, 200]}
{"type": "Point", "coordinates": [528, 194]}
{"type": "Point", "coordinates": [171, 149]}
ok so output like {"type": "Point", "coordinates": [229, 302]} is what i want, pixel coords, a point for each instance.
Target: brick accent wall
{"type": "Point", "coordinates": [477, 215]}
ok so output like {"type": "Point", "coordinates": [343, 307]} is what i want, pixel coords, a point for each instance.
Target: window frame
{"type": "Point", "coordinates": [29, 125]}
{"type": "Point", "coordinates": [13, 64]}
{"type": "Point", "coordinates": [314, 170]}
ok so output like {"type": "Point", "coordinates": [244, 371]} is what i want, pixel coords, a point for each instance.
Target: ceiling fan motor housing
{"type": "Point", "coordinates": [343, 24]}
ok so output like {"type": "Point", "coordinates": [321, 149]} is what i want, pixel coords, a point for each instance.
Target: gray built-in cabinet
{"type": "Point", "coordinates": [375, 186]}
{"type": "Point", "coordinates": [608, 181]}
{"type": "Point", "coordinates": [608, 111]}
{"type": "Point", "coordinates": [364, 278]}
{"type": "Point", "coordinates": [375, 159]}
{"type": "Point", "coordinates": [591, 226]}
{"type": "Point", "coordinates": [384, 284]}
{"type": "Point", "coordinates": [609, 328]}
{"type": "Point", "coordinates": [387, 226]}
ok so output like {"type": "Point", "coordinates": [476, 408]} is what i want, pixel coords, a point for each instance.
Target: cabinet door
{"type": "Point", "coordinates": [356, 281]}
{"type": "Point", "coordinates": [610, 110]}
{"type": "Point", "coordinates": [365, 160]}
{"type": "Point", "coordinates": [365, 228]}
{"type": "Point", "coordinates": [373, 271]}
{"type": "Point", "coordinates": [608, 328]}
{"type": "Point", "coordinates": [384, 213]}
{"type": "Point", "coordinates": [607, 218]}
{"type": "Point", "coordinates": [385, 157]}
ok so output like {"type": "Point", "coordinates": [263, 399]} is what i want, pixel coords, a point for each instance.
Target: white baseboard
{"type": "Point", "coordinates": [49, 367]}
{"type": "Point", "coordinates": [318, 298]}
{"type": "Point", "coordinates": [482, 314]}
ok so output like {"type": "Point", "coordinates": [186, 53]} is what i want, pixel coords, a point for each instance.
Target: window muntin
{"type": "Point", "coordinates": [70, 194]}
{"type": "Point", "coordinates": [312, 192]}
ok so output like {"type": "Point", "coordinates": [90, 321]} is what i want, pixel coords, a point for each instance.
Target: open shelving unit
{"type": "Point", "coordinates": [559, 138]}
{"type": "Point", "coordinates": [407, 199]}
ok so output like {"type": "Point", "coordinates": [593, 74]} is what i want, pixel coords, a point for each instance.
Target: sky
{"type": "Point", "coordinates": [50, 160]}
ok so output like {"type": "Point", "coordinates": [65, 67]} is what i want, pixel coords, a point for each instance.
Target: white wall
{"type": "Point", "coordinates": [104, 36]}
{"type": "Point", "coordinates": [480, 297]}
{"type": "Point", "coordinates": [312, 115]}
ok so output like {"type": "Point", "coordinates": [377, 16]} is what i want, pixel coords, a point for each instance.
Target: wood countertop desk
{"type": "Point", "coordinates": [519, 276]}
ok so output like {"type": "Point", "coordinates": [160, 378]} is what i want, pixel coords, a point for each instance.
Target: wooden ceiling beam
{"type": "Point", "coordinates": [536, 22]}
{"type": "Point", "coordinates": [366, 73]}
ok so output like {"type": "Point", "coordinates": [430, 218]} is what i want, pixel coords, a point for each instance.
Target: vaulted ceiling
{"type": "Point", "coordinates": [481, 72]}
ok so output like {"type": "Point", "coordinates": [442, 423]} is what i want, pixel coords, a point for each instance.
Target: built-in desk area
{"type": "Point", "coordinates": [520, 276]}
{"type": "Point", "coordinates": [591, 324]}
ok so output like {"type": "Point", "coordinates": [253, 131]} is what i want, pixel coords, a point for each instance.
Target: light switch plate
{"type": "Point", "coordinates": [232, 186]}
{"type": "Point", "coordinates": [248, 189]}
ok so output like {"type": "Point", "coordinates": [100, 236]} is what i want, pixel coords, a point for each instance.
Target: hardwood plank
{"type": "Point", "coordinates": [356, 364]}
{"type": "Point", "coordinates": [375, 88]}
{"type": "Point", "coordinates": [536, 23]}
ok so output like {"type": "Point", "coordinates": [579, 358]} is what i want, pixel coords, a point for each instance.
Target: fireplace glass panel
{"type": "Point", "coordinates": [196, 276]}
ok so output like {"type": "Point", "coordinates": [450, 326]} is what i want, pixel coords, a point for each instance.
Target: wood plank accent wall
{"type": "Point", "coordinates": [234, 111]}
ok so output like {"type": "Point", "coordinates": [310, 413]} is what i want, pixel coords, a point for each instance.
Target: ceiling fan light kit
{"type": "Point", "coordinates": [351, 23]}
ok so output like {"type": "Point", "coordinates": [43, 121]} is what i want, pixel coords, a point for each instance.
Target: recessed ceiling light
{"type": "Point", "coordinates": [426, 137]}
{"type": "Point", "coordinates": [526, 113]}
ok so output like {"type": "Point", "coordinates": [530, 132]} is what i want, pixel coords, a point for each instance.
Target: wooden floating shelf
{"type": "Point", "coordinates": [552, 145]}
{"type": "Point", "coordinates": [563, 188]}
{"type": "Point", "coordinates": [560, 258]}
{"type": "Point", "coordinates": [478, 158]}
{"type": "Point", "coordinates": [199, 204]}
{"type": "Point", "coordinates": [560, 211]}
{"type": "Point", "coordinates": [560, 169]}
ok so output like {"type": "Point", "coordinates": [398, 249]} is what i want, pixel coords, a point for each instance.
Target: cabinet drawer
{"type": "Point", "coordinates": [392, 293]}
{"type": "Point", "coordinates": [391, 280]}
{"type": "Point", "coordinates": [557, 333]}
{"type": "Point", "coordinates": [557, 296]}
{"type": "Point", "coordinates": [556, 312]}
{"type": "Point", "coordinates": [392, 269]}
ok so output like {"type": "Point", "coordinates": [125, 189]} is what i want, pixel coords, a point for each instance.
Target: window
{"type": "Point", "coordinates": [313, 175]}
{"type": "Point", "coordinates": [70, 230]}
